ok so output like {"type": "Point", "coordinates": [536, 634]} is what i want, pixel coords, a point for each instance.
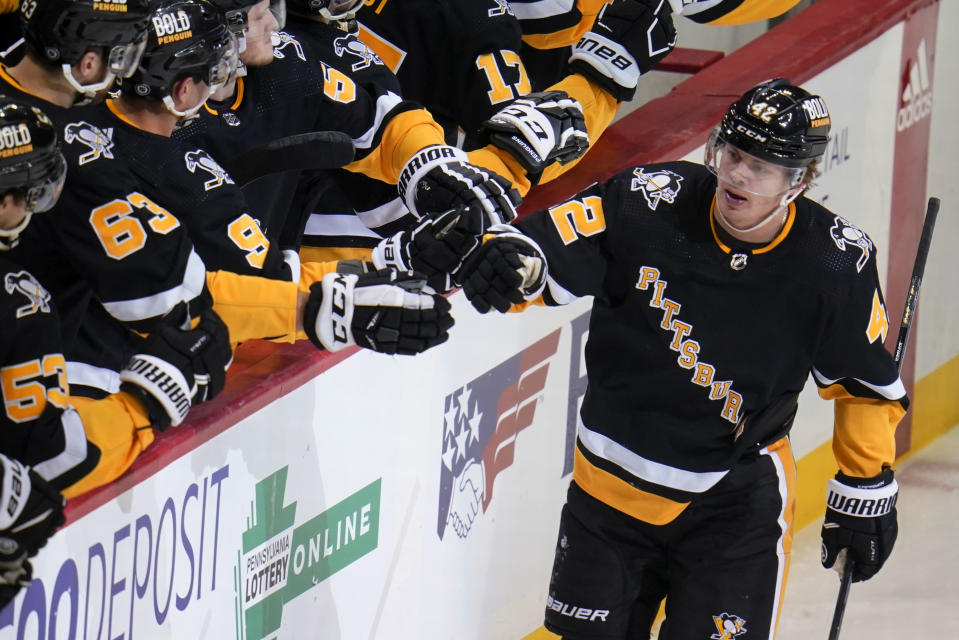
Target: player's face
{"type": "Point", "coordinates": [748, 188]}
{"type": "Point", "coordinates": [12, 211]}
{"type": "Point", "coordinates": [259, 36]}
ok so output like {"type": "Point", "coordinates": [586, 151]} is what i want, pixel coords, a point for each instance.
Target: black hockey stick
{"type": "Point", "coordinates": [908, 311]}
{"type": "Point", "coordinates": [313, 150]}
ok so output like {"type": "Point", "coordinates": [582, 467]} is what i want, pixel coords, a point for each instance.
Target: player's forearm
{"type": "Point", "coordinates": [254, 307]}
{"type": "Point", "coordinates": [570, 34]}
{"type": "Point", "coordinates": [402, 137]}
{"type": "Point", "coordinates": [864, 435]}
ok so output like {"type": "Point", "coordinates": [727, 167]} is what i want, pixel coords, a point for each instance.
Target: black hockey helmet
{"type": "Point", "coordinates": [31, 165]}
{"type": "Point", "coordinates": [61, 31]}
{"type": "Point", "coordinates": [331, 10]}
{"type": "Point", "coordinates": [778, 122]}
{"type": "Point", "coordinates": [186, 38]}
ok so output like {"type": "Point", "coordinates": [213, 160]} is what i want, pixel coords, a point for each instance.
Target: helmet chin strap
{"type": "Point", "coordinates": [784, 201]}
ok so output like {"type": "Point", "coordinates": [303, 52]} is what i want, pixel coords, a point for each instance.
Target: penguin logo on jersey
{"type": "Point", "coordinates": [355, 47]}
{"type": "Point", "coordinates": [99, 140]}
{"type": "Point", "coordinates": [502, 8]}
{"type": "Point", "coordinates": [658, 185]}
{"type": "Point", "coordinates": [38, 298]}
{"type": "Point", "coordinates": [728, 627]}
{"type": "Point", "coordinates": [200, 159]}
{"type": "Point", "coordinates": [230, 118]}
{"type": "Point", "coordinates": [281, 40]}
{"type": "Point", "coordinates": [846, 234]}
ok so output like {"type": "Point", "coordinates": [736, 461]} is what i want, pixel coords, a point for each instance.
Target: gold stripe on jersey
{"type": "Point", "coordinates": [119, 426]}
{"type": "Point", "coordinates": [863, 440]}
{"type": "Point", "coordinates": [9, 6]}
{"type": "Point", "coordinates": [312, 272]}
{"type": "Point", "coordinates": [753, 10]}
{"type": "Point", "coordinates": [391, 55]}
{"type": "Point", "coordinates": [404, 135]}
{"type": "Point", "coordinates": [571, 35]}
{"type": "Point", "coordinates": [623, 496]}
{"type": "Point", "coordinates": [326, 254]}
{"type": "Point", "coordinates": [790, 220]}
{"type": "Point", "coordinates": [785, 464]}
{"type": "Point", "coordinates": [236, 102]}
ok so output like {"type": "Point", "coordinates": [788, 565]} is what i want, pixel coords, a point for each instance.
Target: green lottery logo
{"type": "Point", "coordinates": [279, 561]}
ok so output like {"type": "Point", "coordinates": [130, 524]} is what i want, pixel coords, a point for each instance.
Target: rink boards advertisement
{"type": "Point", "coordinates": [419, 497]}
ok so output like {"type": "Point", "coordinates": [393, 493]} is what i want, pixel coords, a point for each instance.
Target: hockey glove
{"type": "Point", "coordinates": [175, 369]}
{"type": "Point", "coordinates": [384, 311]}
{"type": "Point", "coordinates": [627, 40]}
{"type": "Point", "coordinates": [860, 517]}
{"type": "Point", "coordinates": [538, 129]}
{"type": "Point", "coordinates": [509, 268]}
{"type": "Point", "coordinates": [436, 248]}
{"type": "Point", "coordinates": [440, 178]}
{"type": "Point", "coordinates": [30, 512]}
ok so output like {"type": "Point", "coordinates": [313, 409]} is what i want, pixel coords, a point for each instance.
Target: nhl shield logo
{"type": "Point", "coordinates": [38, 298]}
{"type": "Point", "coordinates": [100, 141]}
{"type": "Point", "coordinates": [657, 185]}
{"type": "Point", "coordinates": [846, 234]}
{"type": "Point", "coordinates": [200, 159]}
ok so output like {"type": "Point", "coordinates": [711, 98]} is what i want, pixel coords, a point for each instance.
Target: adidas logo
{"type": "Point", "coordinates": [916, 101]}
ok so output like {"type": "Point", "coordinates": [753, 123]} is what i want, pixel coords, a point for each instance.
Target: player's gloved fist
{"type": "Point", "coordinates": [540, 128]}
{"type": "Point", "coordinates": [175, 369]}
{"type": "Point", "coordinates": [627, 40]}
{"type": "Point", "coordinates": [30, 512]}
{"type": "Point", "coordinates": [436, 248]}
{"type": "Point", "coordinates": [384, 310]}
{"type": "Point", "coordinates": [440, 178]}
{"type": "Point", "coordinates": [509, 268]}
{"type": "Point", "coordinates": [860, 517]}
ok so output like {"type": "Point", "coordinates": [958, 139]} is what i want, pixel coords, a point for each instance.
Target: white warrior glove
{"type": "Point", "coordinates": [383, 311]}
{"type": "Point", "coordinates": [538, 129]}
{"type": "Point", "coordinates": [627, 40]}
{"type": "Point", "coordinates": [440, 177]}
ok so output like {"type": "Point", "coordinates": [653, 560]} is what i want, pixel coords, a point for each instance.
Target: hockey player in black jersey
{"type": "Point", "coordinates": [718, 290]}
{"type": "Point", "coordinates": [118, 234]}
{"type": "Point", "coordinates": [43, 445]}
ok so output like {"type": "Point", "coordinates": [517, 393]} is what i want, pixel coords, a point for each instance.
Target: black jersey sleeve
{"type": "Point", "coordinates": [226, 232]}
{"type": "Point", "coordinates": [574, 235]}
{"type": "Point", "coordinates": [38, 425]}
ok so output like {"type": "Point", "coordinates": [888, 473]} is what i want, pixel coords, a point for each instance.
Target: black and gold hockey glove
{"type": "Point", "coordinates": [509, 268]}
{"type": "Point", "coordinates": [385, 311]}
{"type": "Point", "coordinates": [861, 518]}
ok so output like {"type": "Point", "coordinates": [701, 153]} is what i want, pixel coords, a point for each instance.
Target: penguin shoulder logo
{"type": "Point", "coordinates": [846, 235]}
{"type": "Point", "coordinates": [200, 159]}
{"type": "Point", "coordinates": [656, 185]}
{"type": "Point", "coordinates": [38, 298]}
{"type": "Point", "coordinates": [171, 27]}
{"type": "Point", "coordinates": [355, 47]}
{"type": "Point", "coordinates": [281, 40]}
{"type": "Point", "coordinates": [99, 141]}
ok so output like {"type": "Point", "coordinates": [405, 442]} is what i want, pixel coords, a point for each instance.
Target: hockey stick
{"type": "Point", "coordinates": [313, 150]}
{"type": "Point", "coordinates": [908, 311]}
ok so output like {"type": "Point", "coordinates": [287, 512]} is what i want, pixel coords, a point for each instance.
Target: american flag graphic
{"type": "Point", "coordinates": [480, 423]}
